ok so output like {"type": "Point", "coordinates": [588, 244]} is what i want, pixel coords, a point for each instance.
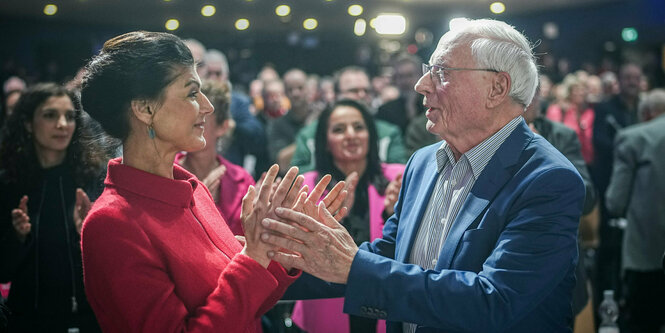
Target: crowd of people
{"type": "Point", "coordinates": [465, 192]}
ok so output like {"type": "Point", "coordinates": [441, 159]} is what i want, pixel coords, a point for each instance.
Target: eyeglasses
{"type": "Point", "coordinates": [438, 71]}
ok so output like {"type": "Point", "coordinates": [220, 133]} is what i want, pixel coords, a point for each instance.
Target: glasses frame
{"type": "Point", "coordinates": [439, 69]}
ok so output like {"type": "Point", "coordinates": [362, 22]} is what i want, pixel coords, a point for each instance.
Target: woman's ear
{"type": "Point", "coordinates": [142, 111]}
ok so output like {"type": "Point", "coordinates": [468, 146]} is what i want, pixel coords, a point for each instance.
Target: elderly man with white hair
{"type": "Point", "coordinates": [484, 234]}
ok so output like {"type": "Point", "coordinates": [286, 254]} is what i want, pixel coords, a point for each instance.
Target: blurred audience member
{"type": "Point", "coordinates": [226, 181]}
{"type": "Point", "coordinates": [575, 113]}
{"type": "Point", "coordinates": [566, 141]}
{"type": "Point", "coordinates": [352, 83]}
{"type": "Point", "coordinates": [636, 191]}
{"type": "Point", "coordinates": [198, 53]}
{"type": "Point", "coordinates": [347, 148]}
{"type": "Point", "coordinates": [47, 173]}
{"type": "Point", "coordinates": [409, 104]}
{"type": "Point", "coordinates": [611, 116]}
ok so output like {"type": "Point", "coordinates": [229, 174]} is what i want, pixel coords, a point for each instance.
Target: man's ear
{"type": "Point", "coordinates": [499, 90]}
{"type": "Point", "coordinates": [142, 111]}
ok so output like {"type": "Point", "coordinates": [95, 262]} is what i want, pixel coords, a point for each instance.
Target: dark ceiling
{"type": "Point", "coordinates": [331, 14]}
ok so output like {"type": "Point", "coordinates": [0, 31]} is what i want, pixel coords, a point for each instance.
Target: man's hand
{"type": "Point", "coordinates": [321, 247]}
{"type": "Point", "coordinates": [21, 220]}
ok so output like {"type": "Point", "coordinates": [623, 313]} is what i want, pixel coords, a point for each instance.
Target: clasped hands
{"type": "Point", "coordinates": [285, 223]}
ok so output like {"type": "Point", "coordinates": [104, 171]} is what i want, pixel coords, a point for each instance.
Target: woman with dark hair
{"type": "Point", "coordinates": [346, 148]}
{"type": "Point", "coordinates": [157, 255]}
{"type": "Point", "coordinates": [46, 171]}
{"type": "Point", "coordinates": [226, 181]}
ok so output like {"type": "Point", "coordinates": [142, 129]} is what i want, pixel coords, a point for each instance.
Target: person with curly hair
{"type": "Point", "coordinates": [47, 170]}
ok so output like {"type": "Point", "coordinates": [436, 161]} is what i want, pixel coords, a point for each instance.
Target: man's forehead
{"type": "Point", "coordinates": [444, 49]}
{"type": "Point", "coordinates": [354, 78]}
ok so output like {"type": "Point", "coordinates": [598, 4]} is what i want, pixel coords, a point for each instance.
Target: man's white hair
{"type": "Point", "coordinates": [497, 45]}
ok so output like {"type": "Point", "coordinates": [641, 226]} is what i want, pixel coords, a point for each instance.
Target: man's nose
{"type": "Point", "coordinates": [423, 85]}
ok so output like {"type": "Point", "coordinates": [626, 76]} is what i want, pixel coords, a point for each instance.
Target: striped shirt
{"type": "Point", "coordinates": [456, 178]}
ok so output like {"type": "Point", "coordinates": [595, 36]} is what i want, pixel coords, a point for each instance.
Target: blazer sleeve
{"type": "Point", "coordinates": [618, 192]}
{"type": "Point", "coordinates": [126, 281]}
{"type": "Point", "coordinates": [535, 250]}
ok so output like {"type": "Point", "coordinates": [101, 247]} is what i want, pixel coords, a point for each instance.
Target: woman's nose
{"type": "Point", "coordinates": [62, 121]}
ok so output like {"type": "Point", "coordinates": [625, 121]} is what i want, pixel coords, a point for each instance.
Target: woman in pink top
{"type": "Point", "coordinates": [226, 181]}
{"type": "Point", "coordinates": [347, 148]}
{"type": "Point", "coordinates": [576, 114]}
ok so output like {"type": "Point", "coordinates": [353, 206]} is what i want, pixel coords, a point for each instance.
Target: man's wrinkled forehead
{"type": "Point", "coordinates": [444, 48]}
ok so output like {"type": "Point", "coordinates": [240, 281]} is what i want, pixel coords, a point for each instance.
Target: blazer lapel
{"type": "Point", "coordinates": [495, 175]}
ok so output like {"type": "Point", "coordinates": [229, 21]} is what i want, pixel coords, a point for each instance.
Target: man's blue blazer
{"type": "Point", "coordinates": [509, 260]}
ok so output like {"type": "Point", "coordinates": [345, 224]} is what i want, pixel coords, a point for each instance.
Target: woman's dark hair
{"type": "Point", "coordinates": [323, 159]}
{"type": "Point", "coordinates": [19, 158]}
{"type": "Point", "coordinates": [135, 65]}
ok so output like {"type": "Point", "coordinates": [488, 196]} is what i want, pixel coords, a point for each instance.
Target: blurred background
{"type": "Point", "coordinates": [44, 40]}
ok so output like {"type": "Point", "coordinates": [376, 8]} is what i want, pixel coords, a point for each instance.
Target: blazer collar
{"type": "Point", "coordinates": [175, 192]}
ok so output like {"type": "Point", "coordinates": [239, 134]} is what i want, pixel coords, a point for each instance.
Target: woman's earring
{"type": "Point", "coordinates": [151, 132]}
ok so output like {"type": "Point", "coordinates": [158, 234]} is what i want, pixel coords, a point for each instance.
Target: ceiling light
{"type": "Point", "coordinates": [50, 9]}
{"type": "Point", "coordinates": [497, 7]}
{"type": "Point", "coordinates": [355, 10]}
{"type": "Point", "coordinates": [310, 24]}
{"type": "Point", "coordinates": [242, 24]}
{"type": "Point", "coordinates": [360, 27]}
{"type": "Point", "coordinates": [629, 34]}
{"type": "Point", "coordinates": [172, 24]}
{"type": "Point", "coordinates": [208, 10]}
{"type": "Point", "coordinates": [282, 10]}
{"type": "Point", "coordinates": [390, 24]}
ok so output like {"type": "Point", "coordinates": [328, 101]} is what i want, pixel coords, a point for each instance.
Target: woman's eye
{"type": "Point", "coordinates": [194, 94]}
{"type": "Point", "coordinates": [49, 115]}
{"type": "Point", "coordinates": [70, 116]}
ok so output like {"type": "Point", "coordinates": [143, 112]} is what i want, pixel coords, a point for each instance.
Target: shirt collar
{"type": "Point", "coordinates": [480, 155]}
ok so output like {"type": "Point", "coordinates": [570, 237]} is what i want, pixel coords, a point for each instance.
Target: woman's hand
{"type": "Point", "coordinates": [213, 179]}
{"type": "Point", "coordinates": [392, 193]}
{"type": "Point", "coordinates": [21, 220]}
{"type": "Point", "coordinates": [81, 209]}
{"type": "Point", "coordinates": [257, 206]}
{"type": "Point", "coordinates": [337, 200]}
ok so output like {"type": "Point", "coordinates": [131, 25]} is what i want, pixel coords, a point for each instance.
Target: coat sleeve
{"type": "Point", "coordinates": [618, 192]}
{"type": "Point", "coordinates": [534, 252]}
{"type": "Point", "coordinates": [130, 290]}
